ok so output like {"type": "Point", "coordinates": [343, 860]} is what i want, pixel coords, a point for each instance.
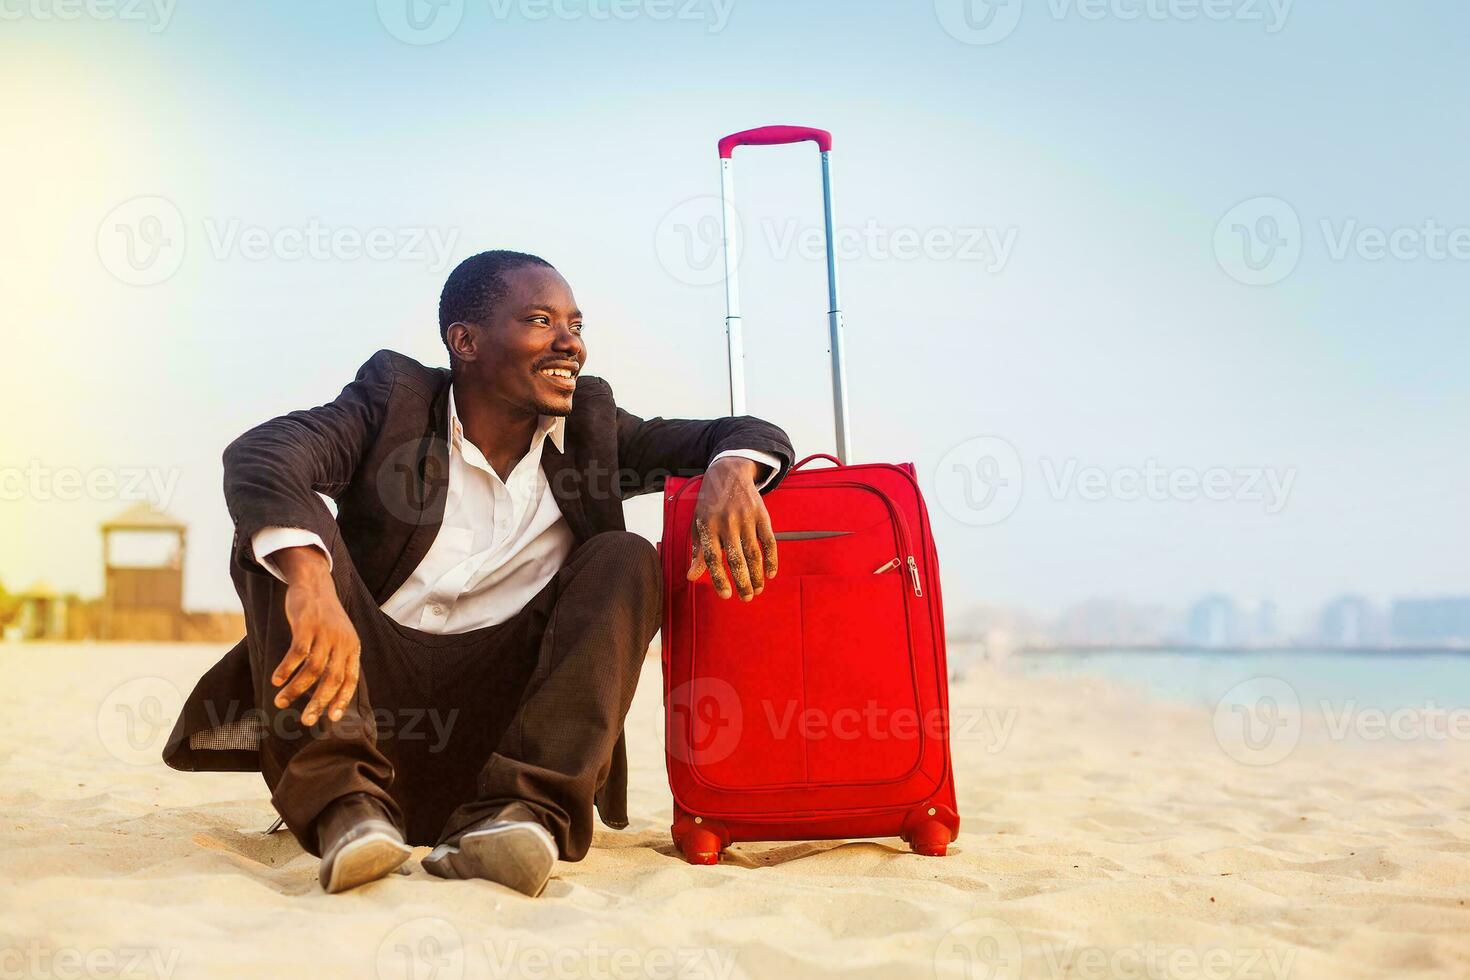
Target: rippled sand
{"type": "Point", "coordinates": [1102, 838]}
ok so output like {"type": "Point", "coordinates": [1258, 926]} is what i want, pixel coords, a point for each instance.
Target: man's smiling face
{"type": "Point", "coordinates": [529, 350]}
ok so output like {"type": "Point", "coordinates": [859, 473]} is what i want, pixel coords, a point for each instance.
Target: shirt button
{"type": "Point", "coordinates": [437, 610]}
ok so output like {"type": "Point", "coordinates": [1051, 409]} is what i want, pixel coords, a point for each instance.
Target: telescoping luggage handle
{"type": "Point", "coordinates": [772, 136]}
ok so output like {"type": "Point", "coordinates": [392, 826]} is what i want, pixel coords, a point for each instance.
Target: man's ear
{"type": "Point", "coordinates": [461, 339]}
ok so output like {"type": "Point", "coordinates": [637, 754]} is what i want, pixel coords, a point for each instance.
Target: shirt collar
{"type": "Point", "coordinates": [553, 427]}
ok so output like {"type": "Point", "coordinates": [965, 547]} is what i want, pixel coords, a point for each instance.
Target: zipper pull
{"type": "Point", "coordinates": [883, 568]}
{"type": "Point", "coordinates": [914, 572]}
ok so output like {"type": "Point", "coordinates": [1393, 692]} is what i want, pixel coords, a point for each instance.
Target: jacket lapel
{"type": "Point", "coordinates": [432, 459]}
{"type": "Point", "coordinates": [565, 481]}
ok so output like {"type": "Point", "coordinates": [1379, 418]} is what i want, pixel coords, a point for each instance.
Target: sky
{"type": "Point", "coordinates": [1162, 297]}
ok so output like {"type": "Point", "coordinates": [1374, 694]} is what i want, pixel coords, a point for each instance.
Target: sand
{"type": "Point", "coordinates": [1103, 837]}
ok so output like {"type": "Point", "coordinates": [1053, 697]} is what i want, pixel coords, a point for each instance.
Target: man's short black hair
{"type": "Point", "coordinates": [476, 285]}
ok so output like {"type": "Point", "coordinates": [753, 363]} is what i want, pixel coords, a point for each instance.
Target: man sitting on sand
{"type": "Point", "coordinates": [449, 661]}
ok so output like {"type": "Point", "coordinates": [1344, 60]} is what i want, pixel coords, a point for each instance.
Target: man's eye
{"type": "Point", "coordinates": [541, 319]}
{"type": "Point", "coordinates": [576, 328]}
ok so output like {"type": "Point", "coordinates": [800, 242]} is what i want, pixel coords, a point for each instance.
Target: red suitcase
{"type": "Point", "coordinates": [819, 710]}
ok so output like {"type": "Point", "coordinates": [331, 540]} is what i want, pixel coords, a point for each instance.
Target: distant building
{"type": "Point", "coordinates": [1431, 622]}
{"type": "Point", "coordinates": [1109, 622]}
{"type": "Point", "coordinates": [1348, 621]}
{"type": "Point", "coordinates": [142, 593]}
{"type": "Point", "coordinates": [1216, 621]}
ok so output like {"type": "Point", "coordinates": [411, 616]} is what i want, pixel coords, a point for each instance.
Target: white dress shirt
{"type": "Point", "coordinates": [500, 543]}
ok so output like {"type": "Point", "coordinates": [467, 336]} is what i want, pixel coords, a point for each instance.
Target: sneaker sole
{"type": "Point", "coordinates": [366, 859]}
{"type": "Point", "coordinates": [519, 857]}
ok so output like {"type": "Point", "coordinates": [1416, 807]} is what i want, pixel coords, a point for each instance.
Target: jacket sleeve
{"type": "Point", "coordinates": [275, 471]}
{"type": "Point", "coordinates": [650, 450]}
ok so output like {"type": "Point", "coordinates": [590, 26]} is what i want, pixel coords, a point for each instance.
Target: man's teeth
{"type": "Point", "coordinates": [556, 372]}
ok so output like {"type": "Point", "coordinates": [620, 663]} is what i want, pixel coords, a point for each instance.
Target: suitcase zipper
{"type": "Point", "coordinates": [913, 572]}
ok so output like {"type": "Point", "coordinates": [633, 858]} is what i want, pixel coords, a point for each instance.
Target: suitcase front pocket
{"type": "Point", "coordinates": [816, 675]}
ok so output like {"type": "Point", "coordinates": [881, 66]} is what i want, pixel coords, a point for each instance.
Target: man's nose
{"type": "Point", "coordinates": [567, 341]}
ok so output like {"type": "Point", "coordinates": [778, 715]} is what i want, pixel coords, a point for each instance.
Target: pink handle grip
{"type": "Point", "coordinates": [774, 136]}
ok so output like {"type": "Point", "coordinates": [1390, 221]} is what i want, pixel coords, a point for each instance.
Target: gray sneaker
{"type": "Point", "coordinates": [359, 843]}
{"type": "Point", "coordinates": [510, 848]}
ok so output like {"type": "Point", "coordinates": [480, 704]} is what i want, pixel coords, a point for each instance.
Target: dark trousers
{"type": "Point", "coordinates": [445, 730]}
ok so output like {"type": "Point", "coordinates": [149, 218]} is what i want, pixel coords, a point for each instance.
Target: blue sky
{"type": "Point", "coordinates": [1100, 149]}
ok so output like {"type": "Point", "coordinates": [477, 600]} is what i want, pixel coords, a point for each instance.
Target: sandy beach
{"type": "Point", "coordinates": [1103, 837]}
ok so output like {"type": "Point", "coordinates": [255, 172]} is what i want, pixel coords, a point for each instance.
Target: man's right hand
{"type": "Point", "coordinates": [325, 651]}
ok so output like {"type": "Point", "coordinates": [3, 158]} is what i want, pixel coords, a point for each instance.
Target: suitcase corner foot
{"type": "Point", "coordinates": [930, 839]}
{"type": "Point", "coordinates": [929, 830]}
{"type": "Point", "coordinates": [699, 840]}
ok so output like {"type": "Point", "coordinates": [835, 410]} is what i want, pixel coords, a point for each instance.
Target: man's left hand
{"type": "Point", "coordinates": [731, 527]}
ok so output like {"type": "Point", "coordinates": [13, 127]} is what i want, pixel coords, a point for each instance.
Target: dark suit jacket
{"type": "Point", "coordinates": [381, 451]}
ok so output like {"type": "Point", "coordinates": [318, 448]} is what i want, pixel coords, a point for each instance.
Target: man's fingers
{"type": "Point", "coordinates": [331, 683]}
{"type": "Point", "coordinates": [345, 692]}
{"type": "Point", "coordinates": [711, 556]}
{"type": "Point", "coordinates": [292, 664]}
{"type": "Point", "coordinates": [754, 564]}
{"type": "Point", "coordinates": [767, 538]}
{"type": "Point", "coordinates": [696, 562]}
{"type": "Point", "coordinates": [736, 557]}
{"type": "Point", "coordinates": [300, 650]}
{"type": "Point", "coordinates": [304, 679]}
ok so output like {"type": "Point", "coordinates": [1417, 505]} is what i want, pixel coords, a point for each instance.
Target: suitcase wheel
{"type": "Point", "coordinates": [930, 839]}
{"type": "Point", "coordinates": [701, 847]}
{"type": "Point", "coordinates": [698, 839]}
{"type": "Point", "coordinates": [930, 829]}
